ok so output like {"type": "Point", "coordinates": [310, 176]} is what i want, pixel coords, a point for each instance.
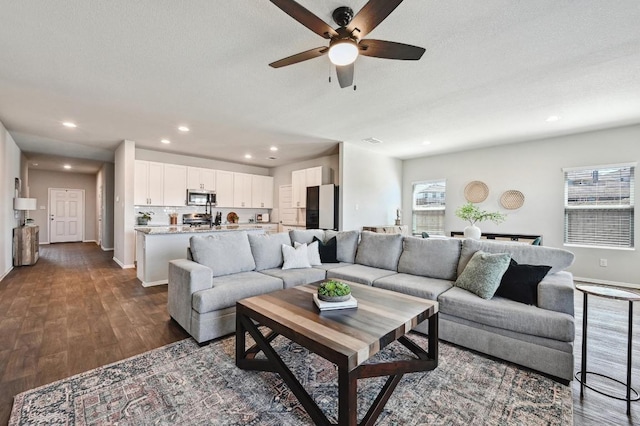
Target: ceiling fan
{"type": "Point", "coordinates": [346, 42]}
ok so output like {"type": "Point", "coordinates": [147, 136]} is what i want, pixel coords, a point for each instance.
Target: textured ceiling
{"type": "Point", "coordinates": [492, 73]}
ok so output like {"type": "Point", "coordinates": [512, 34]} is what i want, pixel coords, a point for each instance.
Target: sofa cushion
{"type": "Point", "coordinates": [558, 259]}
{"type": "Point", "coordinates": [224, 253]}
{"type": "Point", "coordinates": [228, 289]}
{"type": "Point", "coordinates": [520, 282]}
{"type": "Point", "coordinates": [507, 314]}
{"type": "Point", "coordinates": [414, 285]}
{"type": "Point", "coordinates": [295, 277]}
{"type": "Point", "coordinates": [312, 252]}
{"type": "Point", "coordinates": [359, 273]}
{"type": "Point", "coordinates": [306, 235]}
{"type": "Point", "coordinates": [430, 257]}
{"type": "Point", "coordinates": [295, 257]}
{"type": "Point", "coordinates": [483, 273]}
{"type": "Point", "coordinates": [347, 244]}
{"type": "Point", "coordinates": [329, 266]}
{"type": "Point", "coordinates": [267, 249]}
{"type": "Point", "coordinates": [379, 250]}
{"type": "Point", "coordinates": [328, 250]}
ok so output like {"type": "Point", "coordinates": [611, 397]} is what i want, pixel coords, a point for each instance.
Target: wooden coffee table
{"type": "Point", "coordinates": [346, 338]}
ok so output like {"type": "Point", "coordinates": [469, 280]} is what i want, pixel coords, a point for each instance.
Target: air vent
{"type": "Point", "coordinates": [272, 158]}
{"type": "Point", "coordinates": [372, 141]}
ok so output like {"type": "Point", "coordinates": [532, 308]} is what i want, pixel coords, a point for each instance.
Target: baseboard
{"type": "Point", "coordinates": [154, 283]}
{"type": "Point", "coordinates": [6, 273]}
{"type": "Point", "coordinates": [89, 241]}
{"type": "Point", "coordinates": [607, 282]}
{"type": "Point", "coordinates": [44, 243]}
{"type": "Point", "coordinates": [106, 248]}
{"type": "Point", "coordinates": [122, 265]}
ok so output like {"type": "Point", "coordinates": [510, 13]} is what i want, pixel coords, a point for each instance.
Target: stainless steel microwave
{"type": "Point", "coordinates": [201, 197]}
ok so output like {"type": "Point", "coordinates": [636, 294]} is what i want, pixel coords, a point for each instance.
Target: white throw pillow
{"type": "Point", "coordinates": [312, 251]}
{"type": "Point", "coordinates": [295, 258]}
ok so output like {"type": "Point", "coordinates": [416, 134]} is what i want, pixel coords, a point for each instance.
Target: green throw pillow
{"type": "Point", "coordinates": [483, 273]}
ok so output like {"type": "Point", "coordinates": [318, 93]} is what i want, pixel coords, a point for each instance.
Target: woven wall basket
{"type": "Point", "coordinates": [512, 199]}
{"type": "Point", "coordinates": [476, 191]}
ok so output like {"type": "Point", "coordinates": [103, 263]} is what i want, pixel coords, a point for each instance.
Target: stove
{"type": "Point", "coordinates": [196, 219]}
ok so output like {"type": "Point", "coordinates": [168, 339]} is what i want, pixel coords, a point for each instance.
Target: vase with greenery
{"type": "Point", "coordinates": [144, 217]}
{"type": "Point", "coordinates": [472, 214]}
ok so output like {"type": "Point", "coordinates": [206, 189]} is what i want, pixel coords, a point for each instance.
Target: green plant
{"type": "Point", "coordinates": [472, 214]}
{"type": "Point", "coordinates": [333, 288]}
{"type": "Point", "coordinates": [145, 215]}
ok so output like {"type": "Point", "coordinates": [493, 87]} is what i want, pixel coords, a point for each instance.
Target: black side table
{"type": "Point", "coordinates": [609, 292]}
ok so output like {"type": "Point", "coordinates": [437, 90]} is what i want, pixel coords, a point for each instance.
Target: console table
{"type": "Point", "coordinates": [521, 238]}
{"type": "Point", "coordinates": [609, 292]}
{"type": "Point", "coordinates": [388, 229]}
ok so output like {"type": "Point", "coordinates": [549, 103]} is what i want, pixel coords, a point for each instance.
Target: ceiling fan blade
{"type": "Point", "coordinates": [390, 50]}
{"type": "Point", "coordinates": [306, 18]}
{"type": "Point", "coordinates": [299, 57]}
{"type": "Point", "coordinates": [345, 75]}
{"type": "Point", "coordinates": [370, 16]}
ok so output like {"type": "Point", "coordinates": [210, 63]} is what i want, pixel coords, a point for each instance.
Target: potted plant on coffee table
{"type": "Point", "coordinates": [472, 214]}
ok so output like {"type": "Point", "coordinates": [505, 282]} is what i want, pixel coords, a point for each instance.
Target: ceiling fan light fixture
{"type": "Point", "coordinates": [343, 52]}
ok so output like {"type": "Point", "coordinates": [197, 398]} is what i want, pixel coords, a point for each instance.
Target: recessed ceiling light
{"type": "Point", "coordinates": [69, 124]}
{"type": "Point", "coordinates": [183, 128]}
{"type": "Point", "coordinates": [552, 118]}
{"type": "Point", "coordinates": [67, 166]}
{"type": "Point", "coordinates": [165, 141]}
{"type": "Point", "coordinates": [274, 148]}
{"type": "Point", "coordinates": [426, 142]}
{"type": "Point", "coordinates": [372, 141]}
{"type": "Point", "coordinates": [248, 156]}
{"type": "Point", "coordinates": [34, 164]}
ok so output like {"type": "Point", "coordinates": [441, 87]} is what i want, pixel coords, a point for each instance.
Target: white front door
{"type": "Point", "coordinates": [66, 210]}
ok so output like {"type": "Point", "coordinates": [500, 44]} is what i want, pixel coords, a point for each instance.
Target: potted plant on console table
{"type": "Point", "coordinates": [472, 214]}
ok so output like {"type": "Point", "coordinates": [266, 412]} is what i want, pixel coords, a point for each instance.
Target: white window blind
{"type": "Point", "coordinates": [599, 206]}
{"type": "Point", "coordinates": [429, 207]}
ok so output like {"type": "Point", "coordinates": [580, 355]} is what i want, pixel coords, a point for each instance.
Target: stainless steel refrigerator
{"type": "Point", "coordinates": [322, 207]}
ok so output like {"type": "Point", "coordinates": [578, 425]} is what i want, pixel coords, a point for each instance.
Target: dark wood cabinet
{"type": "Point", "coordinates": [26, 243]}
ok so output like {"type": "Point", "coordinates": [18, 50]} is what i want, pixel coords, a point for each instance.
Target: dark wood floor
{"type": "Point", "coordinates": [76, 310]}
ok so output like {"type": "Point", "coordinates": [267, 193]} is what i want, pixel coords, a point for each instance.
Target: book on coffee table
{"type": "Point", "coordinates": [330, 306]}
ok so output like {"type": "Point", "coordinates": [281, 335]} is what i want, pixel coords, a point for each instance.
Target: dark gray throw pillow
{"type": "Point", "coordinates": [328, 251]}
{"type": "Point", "coordinates": [520, 282]}
{"type": "Point", "coordinates": [483, 273]}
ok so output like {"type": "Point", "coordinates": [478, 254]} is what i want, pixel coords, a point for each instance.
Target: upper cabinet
{"type": "Point", "coordinates": [148, 183]}
{"type": "Point", "coordinates": [261, 192]}
{"type": "Point", "coordinates": [199, 178]}
{"type": "Point", "coordinates": [175, 183]}
{"type": "Point", "coordinates": [301, 179]}
{"type": "Point", "coordinates": [242, 190]}
{"type": "Point", "coordinates": [224, 188]}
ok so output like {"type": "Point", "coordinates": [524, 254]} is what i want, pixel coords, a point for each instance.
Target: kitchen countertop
{"type": "Point", "coordinates": [185, 229]}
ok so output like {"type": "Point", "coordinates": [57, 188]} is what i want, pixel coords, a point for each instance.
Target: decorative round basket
{"type": "Point", "coordinates": [512, 199]}
{"type": "Point", "coordinates": [476, 191]}
{"type": "Point", "coordinates": [334, 298]}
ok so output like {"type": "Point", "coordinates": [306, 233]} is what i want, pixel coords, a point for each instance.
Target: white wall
{"type": "Point", "coordinates": [123, 211]}
{"type": "Point", "coordinates": [105, 178]}
{"type": "Point", "coordinates": [187, 160]}
{"type": "Point", "coordinates": [39, 183]}
{"type": "Point", "coordinates": [10, 164]}
{"type": "Point", "coordinates": [535, 169]}
{"type": "Point", "coordinates": [371, 188]}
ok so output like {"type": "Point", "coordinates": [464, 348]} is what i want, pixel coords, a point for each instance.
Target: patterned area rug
{"type": "Point", "coordinates": [184, 384]}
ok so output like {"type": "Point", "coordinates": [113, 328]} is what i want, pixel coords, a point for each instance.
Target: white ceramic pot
{"type": "Point", "coordinates": [472, 232]}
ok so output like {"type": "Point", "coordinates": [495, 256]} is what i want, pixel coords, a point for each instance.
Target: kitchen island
{"type": "Point", "coordinates": [157, 245]}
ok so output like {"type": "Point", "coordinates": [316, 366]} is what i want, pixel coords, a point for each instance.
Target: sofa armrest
{"type": "Point", "coordinates": [556, 292]}
{"type": "Point", "coordinates": [185, 278]}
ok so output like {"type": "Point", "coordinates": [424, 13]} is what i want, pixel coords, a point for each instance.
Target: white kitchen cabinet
{"type": "Point", "coordinates": [224, 188]}
{"type": "Point", "coordinates": [175, 185]}
{"type": "Point", "coordinates": [261, 192]}
{"type": "Point", "coordinates": [242, 190]}
{"type": "Point", "coordinates": [148, 183]}
{"type": "Point", "coordinates": [301, 179]}
{"type": "Point", "coordinates": [200, 178]}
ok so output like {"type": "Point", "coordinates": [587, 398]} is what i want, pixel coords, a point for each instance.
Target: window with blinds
{"type": "Point", "coordinates": [598, 209]}
{"type": "Point", "coordinates": [429, 207]}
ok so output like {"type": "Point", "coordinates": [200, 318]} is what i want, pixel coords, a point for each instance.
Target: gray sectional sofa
{"type": "Point", "coordinates": [226, 268]}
